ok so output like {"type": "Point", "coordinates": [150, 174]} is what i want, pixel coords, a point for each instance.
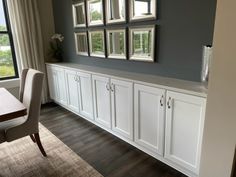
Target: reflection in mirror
{"type": "Point", "coordinates": [116, 41]}
{"type": "Point", "coordinates": [95, 12]}
{"type": "Point", "coordinates": [79, 14]}
{"type": "Point", "coordinates": [81, 43]}
{"type": "Point", "coordinates": [115, 11]}
{"type": "Point", "coordinates": [143, 9]}
{"type": "Point", "coordinates": [142, 44]}
{"type": "Point", "coordinates": [96, 41]}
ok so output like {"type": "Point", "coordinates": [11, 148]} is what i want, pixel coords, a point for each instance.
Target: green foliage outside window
{"type": "Point", "coordinates": [6, 61]}
{"type": "Point", "coordinates": [3, 28]}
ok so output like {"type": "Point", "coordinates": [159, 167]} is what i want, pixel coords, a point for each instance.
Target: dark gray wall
{"type": "Point", "coordinates": [184, 26]}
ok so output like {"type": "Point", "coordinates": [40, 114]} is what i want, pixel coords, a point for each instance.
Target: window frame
{"type": "Point", "coordinates": [9, 33]}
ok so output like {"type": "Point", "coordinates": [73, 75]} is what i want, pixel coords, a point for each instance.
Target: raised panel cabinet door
{"type": "Point", "coordinates": [149, 109]}
{"type": "Point", "coordinates": [102, 102]}
{"type": "Point", "coordinates": [122, 107]}
{"type": "Point", "coordinates": [185, 116]}
{"type": "Point", "coordinates": [62, 86]}
{"type": "Point", "coordinates": [52, 83]}
{"type": "Point", "coordinates": [85, 95]}
{"type": "Point", "coordinates": [72, 90]}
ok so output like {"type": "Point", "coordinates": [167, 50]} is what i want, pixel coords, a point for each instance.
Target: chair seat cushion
{"type": "Point", "coordinates": [9, 124]}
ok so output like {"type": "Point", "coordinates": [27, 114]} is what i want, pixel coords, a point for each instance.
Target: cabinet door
{"type": "Point", "coordinates": [62, 86]}
{"type": "Point", "coordinates": [122, 107]}
{"type": "Point", "coordinates": [72, 90]}
{"type": "Point", "coordinates": [85, 95]}
{"type": "Point", "coordinates": [184, 128]}
{"type": "Point", "coordinates": [149, 117]}
{"type": "Point", "coordinates": [53, 83]}
{"type": "Point", "coordinates": [102, 103]}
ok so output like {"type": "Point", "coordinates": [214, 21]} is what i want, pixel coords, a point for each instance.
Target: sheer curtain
{"type": "Point", "coordinates": [27, 36]}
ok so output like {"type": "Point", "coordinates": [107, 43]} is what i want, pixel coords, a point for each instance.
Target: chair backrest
{"type": "Point", "coordinates": [30, 95]}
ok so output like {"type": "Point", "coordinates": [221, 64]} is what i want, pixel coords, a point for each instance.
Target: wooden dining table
{"type": "Point", "coordinates": [10, 106]}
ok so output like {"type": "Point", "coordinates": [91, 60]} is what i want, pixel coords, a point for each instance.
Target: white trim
{"type": "Point", "coordinates": [11, 83]}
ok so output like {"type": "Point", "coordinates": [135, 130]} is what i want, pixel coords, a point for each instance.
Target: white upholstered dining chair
{"type": "Point", "coordinates": [30, 95]}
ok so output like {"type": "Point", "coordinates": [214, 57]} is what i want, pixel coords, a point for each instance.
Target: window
{"type": "Point", "coordinates": [8, 66]}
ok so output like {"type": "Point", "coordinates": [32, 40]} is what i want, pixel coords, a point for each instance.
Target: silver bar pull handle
{"type": "Point", "coordinates": [108, 87]}
{"type": "Point", "coordinates": [112, 87]}
{"type": "Point", "coordinates": [77, 77]}
{"type": "Point", "coordinates": [161, 100]}
{"type": "Point", "coordinates": [169, 103]}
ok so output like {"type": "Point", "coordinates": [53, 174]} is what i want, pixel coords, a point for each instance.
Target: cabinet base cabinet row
{"type": "Point", "coordinates": [165, 124]}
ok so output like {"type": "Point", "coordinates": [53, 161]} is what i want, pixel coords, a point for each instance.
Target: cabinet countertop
{"type": "Point", "coordinates": [183, 86]}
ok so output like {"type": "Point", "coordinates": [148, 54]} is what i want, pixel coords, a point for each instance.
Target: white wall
{"type": "Point", "coordinates": [220, 126]}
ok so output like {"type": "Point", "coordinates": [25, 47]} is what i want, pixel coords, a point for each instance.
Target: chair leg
{"type": "Point", "coordinates": [37, 138]}
{"type": "Point", "coordinates": [32, 138]}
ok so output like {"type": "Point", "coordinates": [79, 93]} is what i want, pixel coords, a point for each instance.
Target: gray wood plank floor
{"type": "Point", "coordinates": [108, 154]}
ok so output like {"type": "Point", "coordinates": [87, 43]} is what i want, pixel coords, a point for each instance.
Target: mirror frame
{"type": "Point", "coordinates": [150, 17]}
{"type": "Point", "coordinates": [116, 56]}
{"type": "Point", "coordinates": [76, 43]}
{"type": "Point", "coordinates": [90, 43]}
{"type": "Point", "coordinates": [75, 16]}
{"type": "Point", "coordinates": [137, 57]}
{"type": "Point", "coordinates": [96, 22]}
{"type": "Point", "coordinates": [108, 9]}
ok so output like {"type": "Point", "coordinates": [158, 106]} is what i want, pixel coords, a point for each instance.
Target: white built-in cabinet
{"type": "Point", "coordinates": [184, 128]}
{"type": "Point", "coordinates": [149, 117]}
{"type": "Point", "coordinates": [102, 100]}
{"type": "Point", "coordinates": [72, 90]}
{"type": "Point", "coordinates": [122, 107]}
{"type": "Point", "coordinates": [85, 94]}
{"type": "Point", "coordinates": [166, 124]}
{"type": "Point", "coordinates": [53, 83]}
{"type": "Point", "coordinates": [113, 104]}
{"type": "Point", "coordinates": [79, 91]}
{"type": "Point", "coordinates": [57, 84]}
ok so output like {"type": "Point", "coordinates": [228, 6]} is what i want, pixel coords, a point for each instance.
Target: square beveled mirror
{"type": "Point", "coordinates": [95, 12]}
{"type": "Point", "coordinates": [116, 43]}
{"type": "Point", "coordinates": [116, 11]}
{"type": "Point", "coordinates": [79, 14]}
{"type": "Point", "coordinates": [81, 43]}
{"type": "Point", "coordinates": [142, 43]}
{"type": "Point", "coordinates": [97, 43]}
{"type": "Point", "coordinates": [142, 9]}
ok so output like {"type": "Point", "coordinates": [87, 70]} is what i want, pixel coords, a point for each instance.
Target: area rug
{"type": "Point", "coordinates": [22, 158]}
